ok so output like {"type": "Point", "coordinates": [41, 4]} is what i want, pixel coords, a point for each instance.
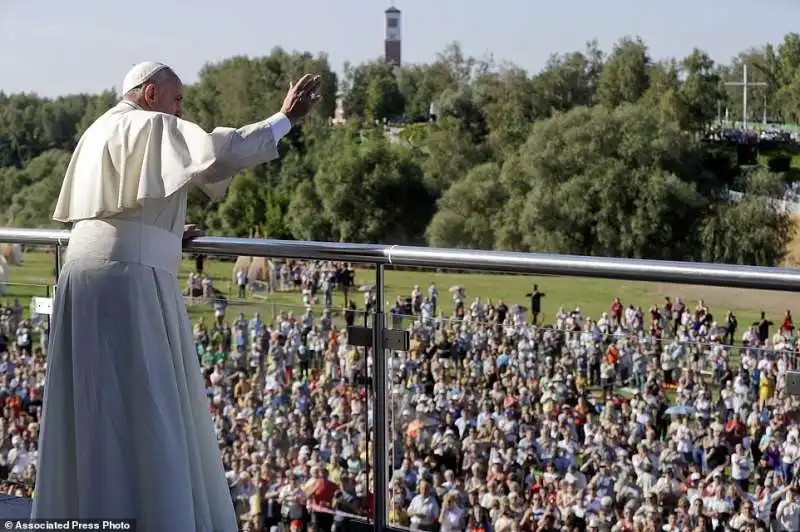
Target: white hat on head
{"type": "Point", "coordinates": [140, 74]}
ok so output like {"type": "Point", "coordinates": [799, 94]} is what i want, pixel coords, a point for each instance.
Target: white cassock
{"type": "Point", "coordinates": [126, 431]}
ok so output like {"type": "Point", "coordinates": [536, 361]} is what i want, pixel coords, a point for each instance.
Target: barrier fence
{"type": "Point", "coordinates": [381, 256]}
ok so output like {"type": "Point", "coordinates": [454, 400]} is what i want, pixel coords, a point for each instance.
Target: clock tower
{"type": "Point", "coordinates": [392, 42]}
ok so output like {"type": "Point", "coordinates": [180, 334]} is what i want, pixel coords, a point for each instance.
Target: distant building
{"type": "Point", "coordinates": [338, 114]}
{"type": "Point", "coordinates": [393, 47]}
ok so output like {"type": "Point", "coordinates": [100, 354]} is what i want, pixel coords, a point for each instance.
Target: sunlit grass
{"type": "Point", "coordinates": [593, 296]}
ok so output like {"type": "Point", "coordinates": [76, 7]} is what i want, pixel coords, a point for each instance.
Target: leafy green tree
{"type": "Point", "coordinates": [464, 215]}
{"type": "Point", "coordinates": [506, 99]}
{"type": "Point", "coordinates": [625, 75]}
{"type": "Point", "coordinates": [568, 81]}
{"type": "Point", "coordinates": [603, 182]}
{"type": "Point", "coordinates": [700, 91]}
{"type": "Point", "coordinates": [371, 92]}
{"type": "Point", "coordinates": [33, 204]}
{"type": "Point", "coordinates": [252, 207]}
{"type": "Point", "coordinates": [305, 219]}
{"type": "Point", "coordinates": [373, 191]}
{"type": "Point", "coordinates": [752, 231]}
{"type": "Point", "coordinates": [451, 153]}
{"type": "Point", "coordinates": [384, 99]}
{"type": "Point", "coordinates": [241, 90]}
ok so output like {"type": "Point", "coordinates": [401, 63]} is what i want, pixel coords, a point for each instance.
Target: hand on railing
{"type": "Point", "coordinates": [191, 231]}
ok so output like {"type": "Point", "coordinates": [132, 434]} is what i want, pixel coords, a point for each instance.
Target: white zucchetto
{"type": "Point", "coordinates": [140, 74]}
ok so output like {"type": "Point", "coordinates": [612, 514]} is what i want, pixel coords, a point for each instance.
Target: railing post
{"type": "Point", "coordinates": [379, 414]}
{"type": "Point", "coordinates": [57, 260]}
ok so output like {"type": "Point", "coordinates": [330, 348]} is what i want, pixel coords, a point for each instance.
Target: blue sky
{"type": "Point", "coordinates": [54, 47]}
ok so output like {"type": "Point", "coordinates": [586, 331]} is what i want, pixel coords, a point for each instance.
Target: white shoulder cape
{"type": "Point", "coordinates": [129, 155]}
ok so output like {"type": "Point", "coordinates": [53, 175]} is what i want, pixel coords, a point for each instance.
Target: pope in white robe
{"type": "Point", "coordinates": [126, 431]}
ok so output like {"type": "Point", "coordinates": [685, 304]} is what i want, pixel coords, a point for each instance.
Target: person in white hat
{"type": "Point", "coordinates": [125, 429]}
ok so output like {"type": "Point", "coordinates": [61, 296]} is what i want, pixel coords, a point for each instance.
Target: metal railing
{"type": "Point", "coordinates": [380, 256]}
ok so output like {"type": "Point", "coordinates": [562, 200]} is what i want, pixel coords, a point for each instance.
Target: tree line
{"type": "Point", "coordinates": [598, 153]}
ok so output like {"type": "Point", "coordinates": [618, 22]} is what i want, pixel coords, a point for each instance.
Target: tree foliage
{"type": "Point", "coordinates": [595, 154]}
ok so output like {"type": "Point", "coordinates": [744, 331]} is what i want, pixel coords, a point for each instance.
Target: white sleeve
{"type": "Point", "coordinates": [127, 157]}
{"type": "Point", "coordinates": [242, 148]}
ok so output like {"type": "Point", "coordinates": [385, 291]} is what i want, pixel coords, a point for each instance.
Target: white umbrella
{"type": "Point", "coordinates": [680, 410]}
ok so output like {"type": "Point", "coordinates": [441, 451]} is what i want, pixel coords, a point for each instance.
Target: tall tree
{"type": "Point", "coordinates": [625, 75]}
{"type": "Point", "coordinates": [373, 191]}
{"type": "Point", "coordinates": [371, 92]}
{"type": "Point", "coordinates": [464, 215]}
{"type": "Point", "coordinates": [700, 92]}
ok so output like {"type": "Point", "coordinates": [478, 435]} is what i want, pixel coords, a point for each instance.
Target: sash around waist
{"type": "Point", "coordinates": [124, 241]}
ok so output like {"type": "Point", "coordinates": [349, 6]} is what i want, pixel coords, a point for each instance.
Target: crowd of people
{"type": "Point", "coordinates": [22, 372]}
{"type": "Point", "coordinates": [503, 418]}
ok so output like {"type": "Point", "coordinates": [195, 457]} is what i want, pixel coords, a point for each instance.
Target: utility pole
{"type": "Point", "coordinates": [745, 84]}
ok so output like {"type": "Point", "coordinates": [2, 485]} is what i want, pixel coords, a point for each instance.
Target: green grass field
{"type": "Point", "coordinates": [594, 296]}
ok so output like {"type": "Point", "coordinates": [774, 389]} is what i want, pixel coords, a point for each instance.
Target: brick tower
{"type": "Point", "coordinates": [392, 49]}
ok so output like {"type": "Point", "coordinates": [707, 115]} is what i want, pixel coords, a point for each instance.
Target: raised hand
{"type": "Point", "coordinates": [301, 98]}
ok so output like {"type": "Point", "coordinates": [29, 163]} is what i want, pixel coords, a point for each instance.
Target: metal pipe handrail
{"type": "Point", "coordinates": [752, 277]}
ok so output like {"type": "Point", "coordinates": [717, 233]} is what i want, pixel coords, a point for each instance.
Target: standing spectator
{"type": "Point", "coordinates": [25, 338]}
{"type": "Point", "coordinates": [241, 283]}
{"type": "Point", "coordinates": [327, 290]}
{"type": "Point", "coordinates": [763, 325]}
{"type": "Point", "coordinates": [320, 492]}
{"type": "Point", "coordinates": [433, 297]}
{"type": "Point", "coordinates": [220, 305]}
{"type": "Point", "coordinates": [616, 312]}
{"type": "Point", "coordinates": [731, 324]}
{"type": "Point", "coordinates": [536, 303]}
{"type": "Point", "coordinates": [424, 509]}
{"type": "Point", "coordinates": [741, 466]}
{"type": "Point", "coordinates": [787, 325]}
{"type": "Point", "coordinates": [788, 512]}
{"type": "Point", "coordinates": [452, 516]}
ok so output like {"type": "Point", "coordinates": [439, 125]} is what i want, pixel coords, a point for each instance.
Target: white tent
{"type": "Point", "coordinates": [258, 270]}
